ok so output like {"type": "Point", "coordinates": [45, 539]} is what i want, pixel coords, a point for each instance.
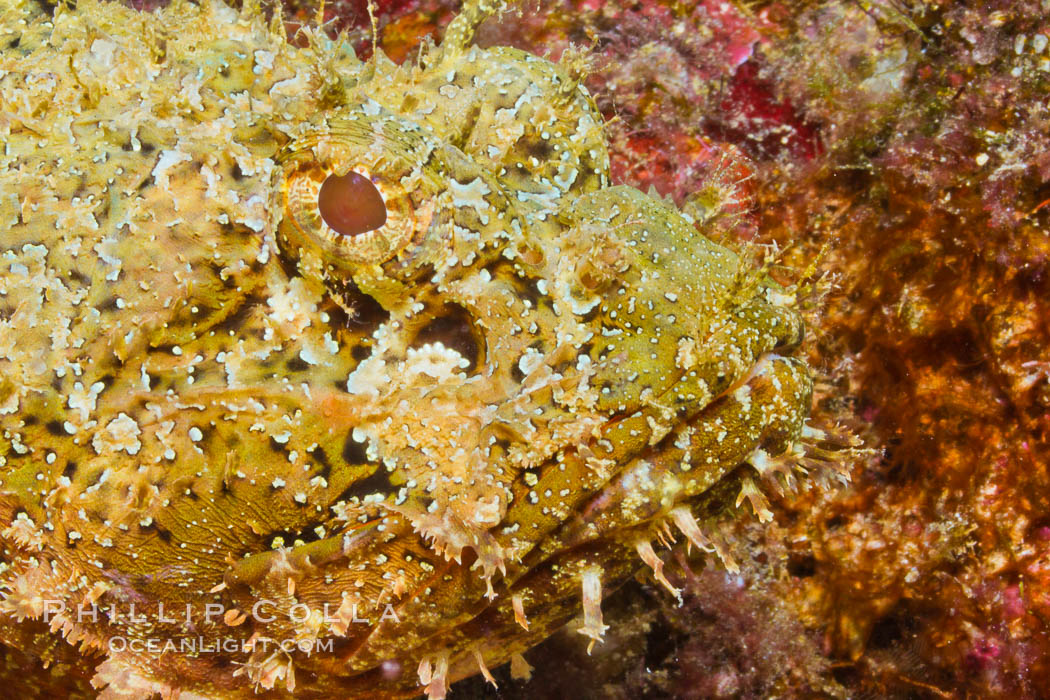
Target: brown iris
{"type": "Point", "coordinates": [350, 204]}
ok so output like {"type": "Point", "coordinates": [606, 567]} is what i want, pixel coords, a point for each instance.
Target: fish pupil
{"type": "Point", "coordinates": [350, 204]}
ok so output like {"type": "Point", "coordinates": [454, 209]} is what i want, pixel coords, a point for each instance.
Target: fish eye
{"type": "Point", "coordinates": [350, 204]}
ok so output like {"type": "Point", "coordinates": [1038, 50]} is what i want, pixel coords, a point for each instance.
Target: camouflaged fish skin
{"type": "Point", "coordinates": [476, 416]}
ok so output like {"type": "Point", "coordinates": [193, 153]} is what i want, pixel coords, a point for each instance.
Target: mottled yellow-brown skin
{"type": "Point", "coordinates": [465, 423]}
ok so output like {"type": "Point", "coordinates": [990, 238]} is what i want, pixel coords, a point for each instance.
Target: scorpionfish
{"type": "Point", "coordinates": [344, 378]}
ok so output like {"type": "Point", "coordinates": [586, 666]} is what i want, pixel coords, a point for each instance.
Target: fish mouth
{"type": "Point", "coordinates": [691, 465]}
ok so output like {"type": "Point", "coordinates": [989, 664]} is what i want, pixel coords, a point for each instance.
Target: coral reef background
{"type": "Point", "coordinates": [897, 151]}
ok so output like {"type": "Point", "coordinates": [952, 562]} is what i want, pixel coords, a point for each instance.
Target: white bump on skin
{"type": "Point", "coordinates": [121, 433]}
